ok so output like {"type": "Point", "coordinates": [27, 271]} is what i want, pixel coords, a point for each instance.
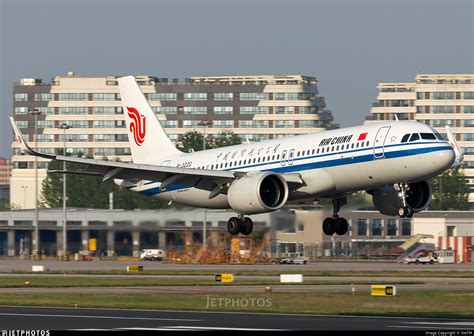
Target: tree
{"type": "Point", "coordinates": [192, 141]}
{"type": "Point", "coordinates": [450, 191]}
{"type": "Point", "coordinates": [227, 138]}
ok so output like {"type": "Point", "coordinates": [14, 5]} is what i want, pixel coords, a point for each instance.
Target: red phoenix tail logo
{"type": "Point", "coordinates": [137, 125]}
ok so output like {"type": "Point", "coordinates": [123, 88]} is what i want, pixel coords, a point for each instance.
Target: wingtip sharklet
{"type": "Point", "coordinates": [23, 144]}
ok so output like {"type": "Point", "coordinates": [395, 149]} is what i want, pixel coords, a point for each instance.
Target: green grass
{"type": "Point", "coordinates": [409, 303]}
{"type": "Point", "coordinates": [66, 281]}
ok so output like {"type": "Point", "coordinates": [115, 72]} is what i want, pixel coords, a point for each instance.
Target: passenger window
{"type": "Point", "coordinates": [367, 143]}
{"type": "Point", "coordinates": [414, 137]}
{"type": "Point", "coordinates": [312, 152]}
{"type": "Point", "coordinates": [405, 137]}
{"type": "Point", "coordinates": [317, 152]}
{"type": "Point", "coordinates": [332, 149]}
{"type": "Point", "coordinates": [428, 136]}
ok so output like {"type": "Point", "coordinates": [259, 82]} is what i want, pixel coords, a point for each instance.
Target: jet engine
{"type": "Point", "coordinates": [258, 193]}
{"type": "Point", "coordinates": [388, 200]}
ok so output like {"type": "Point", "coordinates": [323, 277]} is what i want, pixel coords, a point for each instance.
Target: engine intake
{"type": "Point", "coordinates": [258, 193]}
{"type": "Point", "coordinates": [387, 200]}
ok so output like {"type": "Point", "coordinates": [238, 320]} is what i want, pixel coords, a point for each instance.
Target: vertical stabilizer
{"type": "Point", "coordinates": [148, 141]}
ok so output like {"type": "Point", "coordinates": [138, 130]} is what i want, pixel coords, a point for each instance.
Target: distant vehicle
{"type": "Point", "coordinates": [421, 260]}
{"type": "Point", "coordinates": [294, 260]}
{"type": "Point", "coordinates": [445, 256]}
{"type": "Point", "coordinates": [152, 254]}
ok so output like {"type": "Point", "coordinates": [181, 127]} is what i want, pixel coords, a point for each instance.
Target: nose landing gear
{"type": "Point", "coordinates": [336, 224]}
{"type": "Point", "coordinates": [240, 224]}
{"type": "Point", "coordinates": [406, 211]}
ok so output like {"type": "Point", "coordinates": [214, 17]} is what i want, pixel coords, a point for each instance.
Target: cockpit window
{"type": "Point", "coordinates": [405, 137]}
{"type": "Point", "coordinates": [428, 136]}
{"type": "Point", "coordinates": [438, 135]}
{"type": "Point", "coordinates": [414, 137]}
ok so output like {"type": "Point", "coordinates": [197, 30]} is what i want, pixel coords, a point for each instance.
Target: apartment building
{"type": "Point", "coordinates": [437, 100]}
{"type": "Point", "coordinates": [254, 107]}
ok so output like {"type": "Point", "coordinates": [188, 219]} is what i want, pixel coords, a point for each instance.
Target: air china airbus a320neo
{"type": "Point", "coordinates": [391, 161]}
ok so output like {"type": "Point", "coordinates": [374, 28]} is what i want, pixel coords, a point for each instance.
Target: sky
{"type": "Point", "coordinates": [349, 45]}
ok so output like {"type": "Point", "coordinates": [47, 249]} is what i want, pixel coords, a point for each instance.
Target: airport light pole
{"type": "Point", "coordinates": [64, 127]}
{"type": "Point", "coordinates": [204, 123]}
{"type": "Point", "coordinates": [36, 243]}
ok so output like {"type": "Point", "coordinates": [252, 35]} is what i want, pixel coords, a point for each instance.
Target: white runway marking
{"type": "Point", "coordinates": [101, 317]}
{"type": "Point", "coordinates": [199, 328]}
{"type": "Point", "coordinates": [445, 323]}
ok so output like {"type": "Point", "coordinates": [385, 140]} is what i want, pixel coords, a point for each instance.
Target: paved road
{"type": "Point", "coordinates": [11, 265]}
{"type": "Point", "coordinates": [101, 319]}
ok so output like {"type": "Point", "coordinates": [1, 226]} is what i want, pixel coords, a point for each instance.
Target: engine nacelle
{"type": "Point", "coordinates": [258, 193]}
{"type": "Point", "coordinates": [387, 200]}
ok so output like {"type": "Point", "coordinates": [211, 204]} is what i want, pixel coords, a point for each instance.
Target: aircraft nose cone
{"type": "Point", "coordinates": [444, 160]}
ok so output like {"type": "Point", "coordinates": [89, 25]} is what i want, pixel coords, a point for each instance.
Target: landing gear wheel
{"type": "Point", "coordinates": [233, 226]}
{"type": "Point", "coordinates": [341, 226]}
{"type": "Point", "coordinates": [246, 226]}
{"type": "Point", "coordinates": [329, 226]}
{"type": "Point", "coordinates": [410, 212]}
{"type": "Point", "coordinates": [403, 212]}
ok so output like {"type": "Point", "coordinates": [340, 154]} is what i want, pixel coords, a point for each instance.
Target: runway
{"type": "Point", "coordinates": [10, 265]}
{"type": "Point", "coordinates": [110, 319]}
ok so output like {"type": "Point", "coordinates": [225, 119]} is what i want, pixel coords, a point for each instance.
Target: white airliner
{"type": "Point", "coordinates": [391, 161]}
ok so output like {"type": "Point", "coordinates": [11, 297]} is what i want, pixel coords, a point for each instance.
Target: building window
{"type": "Point", "coordinates": [468, 137]}
{"type": "Point", "coordinates": [376, 227]}
{"type": "Point", "coordinates": [468, 109]}
{"type": "Point", "coordinates": [442, 109]}
{"type": "Point", "coordinates": [104, 110]}
{"type": "Point", "coordinates": [223, 96]}
{"type": "Point", "coordinates": [253, 110]}
{"type": "Point", "coordinates": [77, 123]}
{"type": "Point", "coordinates": [195, 110]}
{"type": "Point", "coordinates": [406, 227]}
{"type": "Point", "coordinates": [45, 137]}
{"type": "Point", "coordinates": [22, 123]}
{"type": "Point", "coordinates": [170, 123]}
{"type": "Point", "coordinates": [104, 124]}
{"type": "Point", "coordinates": [362, 227]}
{"type": "Point", "coordinates": [284, 124]}
{"type": "Point", "coordinates": [162, 96]}
{"type": "Point", "coordinates": [309, 123]}
{"type": "Point", "coordinates": [284, 109]}
{"type": "Point", "coordinates": [73, 96]}
{"type": "Point", "coordinates": [45, 123]}
{"type": "Point", "coordinates": [468, 95]}
{"type": "Point", "coordinates": [442, 95]}
{"type": "Point", "coordinates": [288, 96]}
{"type": "Point", "coordinates": [73, 110]}
{"type": "Point", "coordinates": [46, 110]}
{"type": "Point", "coordinates": [165, 109]}
{"type": "Point", "coordinates": [442, 122]}
{"type": "Point", "coordinates": [253, 123]}
{"type": "Point", "coordinates": [223, 110]}
{"type": "Point", "coordinates": [253, 96]}
{"type": "Point", "coordinates": [223, 123]}
{"type": "Point", "coordinates": [104, 137]}
{"type": "Point", "coordinates": [43, 96]}
{"type": "Point", "coordinates": [195, 96]}
{"type": "Point", "coordinates": [21, 96]}
{"type": "Point", "coordinates": [103, 96]}
{"type": "Point", "coordinates": [190, 123]}
{"type": "Point", "coordinates": [21, 110]}
{"type": "Point", "coordinates": [74, 137]}
{"type": "Point", "coordinates": [391, 227]}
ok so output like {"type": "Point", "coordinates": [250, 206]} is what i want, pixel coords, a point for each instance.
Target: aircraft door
{"type": "Point", "coordinates": [380, 142]}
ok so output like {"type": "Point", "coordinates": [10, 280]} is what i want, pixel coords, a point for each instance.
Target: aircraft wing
{"type": "Point", "coordinates": [211, 180]}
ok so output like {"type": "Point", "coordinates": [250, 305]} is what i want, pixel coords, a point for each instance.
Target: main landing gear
{"type": "Point", "coordinates": [406, 211]}
{"type": "Point", "coordinates": [240, 224]}
{"type": "Point", "coordinates": [336, 224]}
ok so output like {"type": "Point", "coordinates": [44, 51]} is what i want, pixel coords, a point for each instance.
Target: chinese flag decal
{"type": "Point", "coordinates": [362, 136]}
